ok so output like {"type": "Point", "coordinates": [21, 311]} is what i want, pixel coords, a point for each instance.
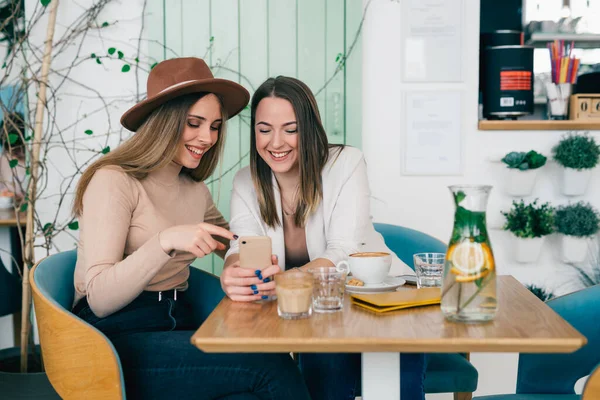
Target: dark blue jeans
{"type": "Point", "coordinates": [336, 376]}
{"type": "Point", "coordinates": [152, 339]}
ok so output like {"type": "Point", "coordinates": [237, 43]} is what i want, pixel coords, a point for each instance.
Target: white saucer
{"type": "Point", "coordinates": [390, 284]}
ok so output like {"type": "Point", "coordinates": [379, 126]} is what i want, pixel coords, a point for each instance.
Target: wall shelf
{"type": "Point", "coordinates": [582, 40]}
{"type": "Point", "coordinates": [538, 125]}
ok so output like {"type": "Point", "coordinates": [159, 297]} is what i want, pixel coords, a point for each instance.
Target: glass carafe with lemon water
{"type": "Point", "coordinates": [469, 282]}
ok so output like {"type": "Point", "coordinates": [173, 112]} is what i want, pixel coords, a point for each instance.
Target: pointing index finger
{"type": "Point", "coordinates": [218, 231]}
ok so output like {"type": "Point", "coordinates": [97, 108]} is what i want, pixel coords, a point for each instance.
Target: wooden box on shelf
{"type": "Point", "coordinates": [585, 106]}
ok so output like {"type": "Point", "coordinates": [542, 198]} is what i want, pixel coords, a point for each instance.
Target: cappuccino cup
{"type": "Point", "coordinates": [369, 267]}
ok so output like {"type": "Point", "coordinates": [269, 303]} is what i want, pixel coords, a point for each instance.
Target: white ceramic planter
{"type": "Point", "coordinates": [519, 183]}
{"type": "Point", "coordinates": [574, 249]}
{"type": "Point", "coordinates": [527, 250]}
{"type": "Point", "coordinates": [574, 182]}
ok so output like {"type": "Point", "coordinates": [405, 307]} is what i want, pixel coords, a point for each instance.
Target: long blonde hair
{"type": "Point", "coordinates": [154, 145]}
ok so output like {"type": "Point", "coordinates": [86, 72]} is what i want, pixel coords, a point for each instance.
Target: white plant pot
{"type": "Point", "coordinates": [527, 250]}
{"type": "Point", "coordinates": [574, 249]}
{"type": "Point", "coordinates": [519, 183]}
{"type": "Point", "coordinates": [574, 182]}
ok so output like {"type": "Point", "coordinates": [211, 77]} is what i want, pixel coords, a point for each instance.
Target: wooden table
{"type": "Point", "coordinates": [523, 324]}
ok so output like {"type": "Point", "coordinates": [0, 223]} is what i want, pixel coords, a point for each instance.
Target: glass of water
{"type": "Point", "coordinates": [429, 268]}
{"type": "Point", "coordinates": [328, 289]}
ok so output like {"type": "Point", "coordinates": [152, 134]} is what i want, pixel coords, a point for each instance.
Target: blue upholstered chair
{"type": "Point", "coordinates": [553, 376]}
{"type": "Point", "coordinates": [446, 373]}
{"type": "Point", "coordinates": [81, 363]}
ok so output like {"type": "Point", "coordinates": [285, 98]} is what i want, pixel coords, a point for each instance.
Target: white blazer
{"type": "Point", "coordinates": [340, 226]}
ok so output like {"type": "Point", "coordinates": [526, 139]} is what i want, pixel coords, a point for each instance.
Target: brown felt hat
{"type": "Point", "coordinates": [172, 78]}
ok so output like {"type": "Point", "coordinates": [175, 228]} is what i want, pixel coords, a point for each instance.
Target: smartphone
{"type": "Point", "coordinates": [255, 252]}
{"type": "Point", "coordinates": [410, 279]}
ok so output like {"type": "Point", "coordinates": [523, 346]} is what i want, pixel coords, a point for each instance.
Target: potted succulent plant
{"type": "Point", "coordinates": [529, 225]}
{"type": "Point", "coordinates": [577, 224]}
{"type": "Point", "coordinates": [577, 155]}
{"type": "Point", "coordinates": [521, 171]}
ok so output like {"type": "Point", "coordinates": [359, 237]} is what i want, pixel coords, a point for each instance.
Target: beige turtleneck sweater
{"type": "Point", "coordinates": [119, 254]}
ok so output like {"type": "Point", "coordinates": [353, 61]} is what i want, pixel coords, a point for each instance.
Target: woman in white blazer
{"type": "Point", "coordinates": [312, 199]}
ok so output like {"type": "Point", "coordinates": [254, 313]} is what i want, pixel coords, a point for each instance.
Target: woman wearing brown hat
{"type": "Point", "coordinates": [312, 199]}
{"type": "Point", "coordinates": [145, 215]}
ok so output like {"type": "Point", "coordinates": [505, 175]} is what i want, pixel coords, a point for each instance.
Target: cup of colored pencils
{"type": "Point", "coordinates": [564, 67]}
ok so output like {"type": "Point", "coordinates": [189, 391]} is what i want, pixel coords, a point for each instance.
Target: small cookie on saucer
{"type": "Point", "coordinates": [355, 282]}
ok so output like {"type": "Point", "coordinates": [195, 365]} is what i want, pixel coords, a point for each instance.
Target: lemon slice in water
{"type": "Point", "coordinates": [468, 258]}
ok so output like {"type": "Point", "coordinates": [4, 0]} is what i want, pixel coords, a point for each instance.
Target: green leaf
{"type": "Point", "coordinates": [89, 132]}
{"type": "Point", "coordinates": [93, 55]}
{"type": "Point", "coordinates": [535, 159]}
{"type": "Point", "coordinates": [27, 138]}
{"type": "Point", "coordinates": [74, 225]}
{"type": "Point", "coordinates": [48, 228]}
{"type": "Point", "coordinates": [45, 2]}
{"type": "Point", "coordinates": [105, 24]}
{"type": "Point", "coordinates": [469, 224]}
{"type": "Point", "coordinates": [23, 207]}
{"type": "Point", "coordinates": [106, 150]}
{"type": "Point", "coordinates": [514, 159]}
{"type": "Point", "coordinates": [126, 68]}
{"type": "Point", "coordinates": [338, 57]}
{"type": "Point", "coordinates": [98, 61]}
{"type": "Point", "coordinates": [12, 138]}
{"type": "Point", "coordinates": [153, 65]}
{"type": "Point", "coordinates": [212, 39]}
{"type": "Point", "coordinates": [111, 50]}
{"type": "Point", "coordinates": [460, 196]}
{"type": "Point", "coordinates": [3, 65]}
{"type": "Point", "coordinates": [27, 171]}
{"type": "Point", "coordinates": [478, 282]}
{"type": "Point", "coordinates": [120, 54]}
{"type": "Point", "coordinates": [137, 60]}
{"type": "Point", "coordinates": [13, 163]}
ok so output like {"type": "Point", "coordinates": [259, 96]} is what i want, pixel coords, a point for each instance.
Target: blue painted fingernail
{"type": "Point", "coordinates": [265, 297]}
{"type": "Point", "coordinates": [253, 287]}
{"type": "Point", "coordinates": [267, 280]}
{"type": "Point", "coordinates": [257, 272]}
{"type": "Point", "coordinates": [236, 237]}
{"type": "Point", "coordinates": [260, 277]}
{"type": "Point", "coordinates": [256, 292]}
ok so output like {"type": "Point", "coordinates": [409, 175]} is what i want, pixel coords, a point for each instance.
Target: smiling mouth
{"type": "Point", "coordinates": [280, 154]}
{"type": "Point", "coordinates": [196, 152]}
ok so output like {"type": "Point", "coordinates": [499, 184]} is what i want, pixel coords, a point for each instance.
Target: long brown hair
{"type": "Point", "coordinates": [154, 145]}
{"type": "Point", "coordinates": [313, 150]}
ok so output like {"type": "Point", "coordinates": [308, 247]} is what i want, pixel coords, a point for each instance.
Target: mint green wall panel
{"type": "Point", "coordinates": [154, 26]}
{"type": "Point", "coordinates": [254, 58]}
{"type": "Point", "coordinates": [353, 12]}
{"type": "Point", "coordinates": [311, 47]}
{"type": "Point", "coordinates": [281, 35]}
{"type": "Point", "coordinates": [194, 28]}
{"type": "Point", "coordinates": [334, 50]}
{"type": "Point", "coordinates": [175, 24]}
